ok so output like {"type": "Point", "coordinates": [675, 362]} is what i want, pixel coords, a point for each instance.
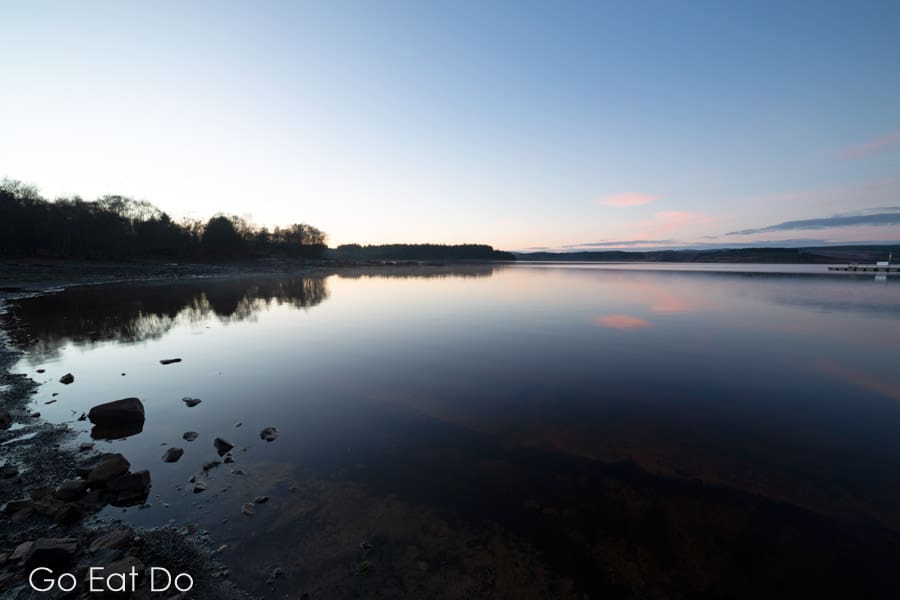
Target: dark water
{"type": "Point", "coordinates": [509, 431]}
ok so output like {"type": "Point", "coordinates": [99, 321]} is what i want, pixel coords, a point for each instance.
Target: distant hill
{"type": "Point", "coordinates": [419, 252]}
{"type": "Point", "coordinates": [810, 255]}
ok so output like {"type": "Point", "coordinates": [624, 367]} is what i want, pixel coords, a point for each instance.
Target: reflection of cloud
{"type": "Point", "coordinates": [871, 147]}
{"type": "Point", "coordinates": [888, 215]}
{"type": "Point", "coordinates": [626, 200]}
{"type": "Point", "coordinates": [622, 322]}
{"type": "Point", "coordinates": [866, 381]}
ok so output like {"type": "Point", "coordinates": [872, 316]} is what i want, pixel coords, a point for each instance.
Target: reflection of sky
{"type": "Point", "coordinates": [737, 374]}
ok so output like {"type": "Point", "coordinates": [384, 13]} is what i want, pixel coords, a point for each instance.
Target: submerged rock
{"type": "Point", "coordinates": [190, 435]}
{"type": "Point", "coordinates": [222, 446]}
{"type": "Point", "coordinates": [169, 361]}
{"type": "Point", "coordinates": [67, 379]}
{"type": "Point", "coordinates": [210, 464]}
{"type": "Point", "coordinates": [268, 434]}
{"type": "Point", "coordinates": [248, 509]}
{"type": "Point", "coordinates": [191, 401]}
{"type": "Point", "coordinates": [260, 500]}
{"type": "Point", "coordinates": [172, 455]}
{"type": "Point", "coordinates": [199, 486]}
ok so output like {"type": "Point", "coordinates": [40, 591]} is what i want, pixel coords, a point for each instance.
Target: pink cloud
{"type": "Point", "coordinates": [871, 147]}
{"type": "Point", "coordinates": [626, 200]}
{"type": "Point", "coordinates": [622, 322]}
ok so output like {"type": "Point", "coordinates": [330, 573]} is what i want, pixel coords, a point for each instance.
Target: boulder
{"type": "Point", "coordinates": [67, 379]}
{"type": "Point", "coordinates": [131, 482]}
{"type": "Point", "coordinates": [126, 410]}
{"type": "Point", "coordinates": [107, 469]}
{"type": "Point", "coordinates": [71, 489]}
{"type": "Point", "coordinates": [172, 455]}
{"type": "Point", "coordinates": [222, 446]}
{"type": "Point", "coordinates": [51, 552]}
{"type": "Point", "coordinates": [115, 539]}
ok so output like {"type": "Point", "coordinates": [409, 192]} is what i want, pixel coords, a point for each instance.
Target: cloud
{"type": "Point", "coordinates": [886, 215]}
{"type": "Point", "coordinates": [620, 243]}
{"type": "Point", "coordinates": [622, 322]}
{"type": "Point", "coordinates": [871, 147]}
{"type": "Point", "coordinates": [626, 200]}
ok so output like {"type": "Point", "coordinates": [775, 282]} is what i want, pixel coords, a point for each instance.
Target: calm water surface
{"type": "Point", "coordinates": [523, 430]}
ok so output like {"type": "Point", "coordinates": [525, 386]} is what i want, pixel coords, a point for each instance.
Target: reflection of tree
{"type": "Point", "coordinates": [134, 313]}
{"type": "Point", "coordinates": [406, 271]}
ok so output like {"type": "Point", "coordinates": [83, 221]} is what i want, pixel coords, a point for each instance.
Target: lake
{"type": "Point", "coordinates": [521, 430]}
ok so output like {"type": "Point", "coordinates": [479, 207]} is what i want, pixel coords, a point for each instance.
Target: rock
{"type": "Point", "coordinates": [5, 419]}
{"type": "Point", "coordinates": [21, 551]}
{"type": "Point", "coordinates": [172, 455]}
{"type": "Point", "coordinates": [248, 509]}
{"type": "Point", "coordinates": [116, 431]}
{"type": "Point", "coordinates": [131, 482]}
{"type": "Point", "coordinates": [41, 370]}
{"type": "Point", "coordinates": [69, 513]}
{"type": "Point", "coordinates": [228, 459]}
{"type": "Point", "coordinates": [260, 500]}
{"type": "Point", "coordinates": [85, 446]}
{"type": "Point", "coordinates": [21, 516]}
{"type": "Point", "coordinates": [169, 361]}
{"type": "Point", "coordinates": [112, 466]}
{"type": "Point", "coordinates": [222, 446]}
{"type": "Point", "coordinates": [83, 417]}
{"type": "Point", "coordinates": [238, 424]}
{"type": "Point", "coordinates": [35, 415]}
{"type": "Point", "coordinates": [238, 472]}
{"type": "Point", "coordinates": [51, 552]}
{"type": "Point", "coordinates": [50, 401]}
{"type": "Point", "coordinates": [126, 410]}
{"type": "Point", "coordinates": [71, 489]}
{"type": "Point", "coordinates": [8, 471]}
{"type": "Point", "coordinates": [199, 486]}
{"type": "Point", "coordinates": [14, 506]}
{"type": "Point", "coordinates": [67, 379]}
{"type": "Point", "coordinates": [115, 539]}
{"type": "Point", "coordinates": [211, 464]}
{"type": "Point", "coordinates": [190, 435]}
{"type": "Point", "coordinates": [55, 394]}
{"type": "Point", "coordinates": [268, 434]}
{"type": "Point", "coordinates": [191, 401]}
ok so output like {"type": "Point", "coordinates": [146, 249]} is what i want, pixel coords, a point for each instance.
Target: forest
{"type": "Point", "coordinates": [120, 228]}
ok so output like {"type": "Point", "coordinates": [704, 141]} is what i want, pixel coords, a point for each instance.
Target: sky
{"type": "Point", "coordinates": [525, 125]}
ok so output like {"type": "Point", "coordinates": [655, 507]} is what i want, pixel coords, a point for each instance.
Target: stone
{"type": "Point", "coordinates": [126, 410]}
{"type": "Point", "coordinates": [69, 513]}
{"type": "Point", "coordinates": [228, 459]}
{"type": "Point", "coordinates": [199, 486]}
{"type": "Point", "coordinates": [115, 539]}
{"type": "Point", "coordinates": [222, 446]}
{"type": "Point", "coordinates": [260, 500]}
{"type": "Point", "coordinates": [21, 551]}
{"type": "Point", "coordinates": [169, 361]}
{"type": "Point", "coordinates": [5, 419]}
{"type": "Point", "coordinates": [107, 469]}
{"type": "Point", "coordinates": [41, 370]}
{"type": "Point", "coordinates": [190, 435]}
{"type": "Point", "coordinates": [51, 552]}
{"type": "Point", "coordinates": [85, 446]}
{"type": "Point", "coordinates": [268, 434]}
{"type": "Point", "coordinates": [172, 455]}
{"type": "Point", "coordinates": [210, 464]}
{"type": "Point", "coordinates": [248, 509]}
{"type": "Point", "coordinates": [191, 401]}
{"type": "Point", "coordinates": [71, 489]}
{"type": "Point", "coordinates": [14, 506]}
{"type": "Point", "coordinates": [67, 379]}
{"type": "Point", "coordinates": [131, 482]}
{"type": "Point", "coordinates": [8, 471]}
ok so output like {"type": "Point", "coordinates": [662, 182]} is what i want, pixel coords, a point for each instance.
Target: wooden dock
{"type": "Point", "coordinates": [868, 269]}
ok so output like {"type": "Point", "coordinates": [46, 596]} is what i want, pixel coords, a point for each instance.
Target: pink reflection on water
{"type": "Point", "coordinates": [622, 322]}
{"type": "Point", "coordinates": [866, 381]}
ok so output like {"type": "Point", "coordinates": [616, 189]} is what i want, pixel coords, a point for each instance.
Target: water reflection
{"type": "Point", "coordinates": [127, 313]}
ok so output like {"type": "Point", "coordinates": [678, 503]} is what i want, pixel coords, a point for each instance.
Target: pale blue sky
{"type": "Point", "coordinates": [513, 123]}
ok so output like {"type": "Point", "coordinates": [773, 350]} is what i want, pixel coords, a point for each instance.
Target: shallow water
{"type": "Point", "coordinates": [524, 430]}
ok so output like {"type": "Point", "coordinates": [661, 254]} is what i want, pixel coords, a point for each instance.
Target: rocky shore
{"type": "Point", "coordinates": [50, 493]}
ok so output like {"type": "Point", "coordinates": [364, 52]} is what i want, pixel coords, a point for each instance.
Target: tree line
{"type": "Point", "coordinates": [420, 252]}
{"type": "Point", "coordinates": [117, 227]}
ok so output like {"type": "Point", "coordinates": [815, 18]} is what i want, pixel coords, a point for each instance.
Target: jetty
{"type": "Point", "coordinates": [882, 266]}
